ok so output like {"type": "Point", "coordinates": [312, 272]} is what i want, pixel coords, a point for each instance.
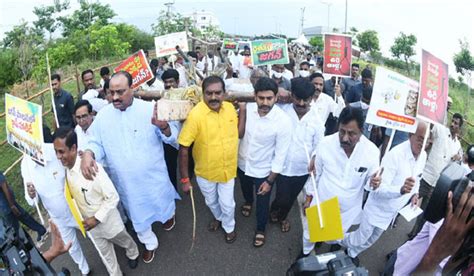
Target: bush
{"type": "Point", "coordinates": [10, 72]}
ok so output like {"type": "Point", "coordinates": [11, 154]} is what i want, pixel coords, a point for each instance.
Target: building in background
{"type": "Point", "coordinates": [202, 20]}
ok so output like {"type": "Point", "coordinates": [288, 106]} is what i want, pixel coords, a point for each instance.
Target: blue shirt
{"type": "Point", "coordinates": [354, 94]}
{"type": "Point", "coordinates": [133, 149]}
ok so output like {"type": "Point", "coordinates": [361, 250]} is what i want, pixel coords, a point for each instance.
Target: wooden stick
{"type": "Point", "coordinates": [313, 181]}
{"type": "Point", "coordinates": [191, 193]}
{"type": "Point", "coordinates": [52, 92]}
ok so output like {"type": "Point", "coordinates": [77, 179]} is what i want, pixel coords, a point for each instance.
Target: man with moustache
{"type": "Point", "coordinates": [212, 128]}
{"type": "Point", "coordinates": [266, 132]}
{"type": "Point", "coordinates": [308, 130]}
{"type": "Point", "coordinates": [402, 169]}
{"type": "Point", "coordinates": [322, 103]}
{"type": "Point", "coordinates": [132, 147]}
{"type": "Point", "coordinates": [344, 162]}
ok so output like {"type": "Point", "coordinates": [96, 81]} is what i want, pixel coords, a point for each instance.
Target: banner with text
{"type": "Point", "coordinates": [229, 44]}
{"type": "Point", "coordinates": [337, 55]}
{"type": "Point", "coordinates": [24, 125]}
{"type": "Point", "coordinates": [269, 51]}
{"type": "Point", "coordinates": [394, 100]}
{"type": "Point", "coordinates": [434, 88]}
{"type": "Point", "coordinates": [137, 65]}
{"type": "Point", "coordinates": [166, 44]}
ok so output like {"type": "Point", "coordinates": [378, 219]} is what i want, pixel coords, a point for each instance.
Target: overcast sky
{"type": "Point", "coordinates": [437, 24]}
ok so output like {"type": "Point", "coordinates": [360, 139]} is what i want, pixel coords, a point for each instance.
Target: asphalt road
{"type": "Point", "coordinates": [212, 256]}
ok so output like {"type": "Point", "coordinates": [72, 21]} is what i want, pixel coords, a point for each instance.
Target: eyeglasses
{"type": "Point", "coordinates": [82, 117]}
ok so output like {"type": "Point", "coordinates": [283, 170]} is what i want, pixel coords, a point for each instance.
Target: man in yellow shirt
{"type": "Point", "coordinates": [212, 127]}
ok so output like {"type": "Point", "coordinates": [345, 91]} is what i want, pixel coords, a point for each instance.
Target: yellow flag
{"type": "Point", "coordinates": [332, 223]}
{"type": "Point", "coordinates": [74, 210]}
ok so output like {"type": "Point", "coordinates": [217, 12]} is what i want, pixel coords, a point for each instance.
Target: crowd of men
{"type": "Point", "coordinates": [120, 162]}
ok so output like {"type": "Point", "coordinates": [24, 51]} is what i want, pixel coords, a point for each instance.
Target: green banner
{"type": "Point", "coordinates": [269, 51]}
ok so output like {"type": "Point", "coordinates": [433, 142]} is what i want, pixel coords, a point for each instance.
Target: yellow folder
{"type": "Point", "coordinates": [74, 210]}
{"type": "Point", "coordinates": [332, 222]}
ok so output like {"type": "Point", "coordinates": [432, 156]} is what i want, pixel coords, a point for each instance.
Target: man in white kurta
{"type": "Point", "coordinates": [46, 183]}
{"type": "Point", "coordinates": [132, 147]}
{"type": "Point", "coordinates": [324, 104]}
{"type": "Point", "coordinates": [402, 168]}
{"type": "Point", "coordinates": [307, 132]}
{"type": "Point", "coordinates": [344, 163]}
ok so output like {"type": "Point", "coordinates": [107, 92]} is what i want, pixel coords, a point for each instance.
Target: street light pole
{"type": "Point", "coordinates": [345, 20]}
{"type": "Point", "coordinates": [329, 12]}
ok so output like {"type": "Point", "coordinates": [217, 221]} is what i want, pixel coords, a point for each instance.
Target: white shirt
{"type": "Point", "coordinates": [266, 141]}
{"type": "Point", "coordinates": [384, 203]}
{"type": "Point", "coordinates": [244, 70]}
{"type": "Point", "coordinates": [344, 177]}
{"type": "Point", "coordinates": [308, 130]}
{"type": "Point", "coordinates": [92, 97]}
{"type": "Point", "coordinates": [325, 105]}
{"type": "Point", "coordinates": [96, 198]}
{"type": "Point", "coordinates": [183, 81]}
{"type": "Point", "coordinates": [157, 85]}
{"type": "Point", "coordinates": [49, 183]}
{"type": "Point", "coordinates": [288, 74]}
{"type": "Point", "coordinates": [82, 137]}
{"type": "Point", "coordinates": [443, 148]}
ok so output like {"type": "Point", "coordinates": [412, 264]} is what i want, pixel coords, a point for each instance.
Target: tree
{"type": "Point", "coordinates": [464, 62]}
{"type": "Point", "coordinates": [403, 46]}
{"type": "Point", "coordinates": [105, 42]}
{"type": "Point", "coordinates": [137, 38]}
{"type": "Point", "coordinates": [19, 32]}
{"type": "Point", "coordinates": [8, 59]}
{"type": "Point", "coordinates": [87, 15]}
{"type": "Point", "coordinates": [168, 23]}
{"type": "Point", "coordinates": [317, 42]}
{"type": "Point", "coordinates": [368, 41]}
{"type": "Point", "coordinates": [47, 21]}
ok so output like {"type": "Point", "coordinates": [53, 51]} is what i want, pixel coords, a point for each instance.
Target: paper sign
{"type": "Point", "coordinates": [332, 228]}
{"type": "Point", "coordinates": [269, 51]}
{"type": "Point", "coordinates": [433, 98]}
{"type": "Point", "coordinates": [394, 100]}
{"type": "Point", "coordinates": [74, 210]}
{"type": "Point", "coordinates": [137, 65]}
{"type": "Point", "coordinates": [337, 55]}
{"type": "Point", "coordinates": [166, 44]}
{"type": "Point", "coordinates": [24, 125]}
{"type": "Point", "coordinates": [229, 44]}
{"type": "Point", "coordinates": [409, 212]}
{"type": "Point", "coordinates": [173, 110]}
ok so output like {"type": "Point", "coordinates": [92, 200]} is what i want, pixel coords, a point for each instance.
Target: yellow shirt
{"type": "Point", "coordinates": [216, 139]}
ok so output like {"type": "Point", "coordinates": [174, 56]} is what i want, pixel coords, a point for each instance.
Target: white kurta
{"type": "Point", "coordinates": [133, 150]}
{"type": "Point", "coordinates": [344, 177]}
{"type": "Point", "coordinates": [49, 184]}
{"type": "Point", "coordinates": [384, 203]}
{"type": "Point", "coordinates": [308, 130]}
{"type": "Point", "coordinates": [326, 105]}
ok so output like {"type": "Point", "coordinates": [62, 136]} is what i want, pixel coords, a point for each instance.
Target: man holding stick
{"type": "Point", "coordinates": [402, 168]}
{"type": "Point", "coordinates": [132, 147]}
{"type": "Point", "coordinates": [212, 127]}
{"type": "Point", "coordinates": [266, 133]}
{"type": "Point", "coordinates": [47, 182]}
{"type": "Point", "coordinates": [344, 161]}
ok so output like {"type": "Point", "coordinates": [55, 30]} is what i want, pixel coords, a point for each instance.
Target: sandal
{"type": "Point", "coordinates": [214, 225]}
{"type": "Point", "coordinates": [285, 226]}
{"type": "Point", "coordinates": [259, 239]}
{"type": "Point", "coordinates": [246, 209]}
{"type": "Point", "coordinates": [230, 237]}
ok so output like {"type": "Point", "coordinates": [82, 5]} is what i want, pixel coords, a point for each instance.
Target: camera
{"type": "Point", "coordinates": [19, 254]}
{"type": "Point", "coordinates": [453, 178]}
{"type": "Point", "coordinates": [333, 264]}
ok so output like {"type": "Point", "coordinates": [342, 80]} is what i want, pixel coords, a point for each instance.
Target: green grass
{"type": "Point", "coordinates": [9, 154]}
